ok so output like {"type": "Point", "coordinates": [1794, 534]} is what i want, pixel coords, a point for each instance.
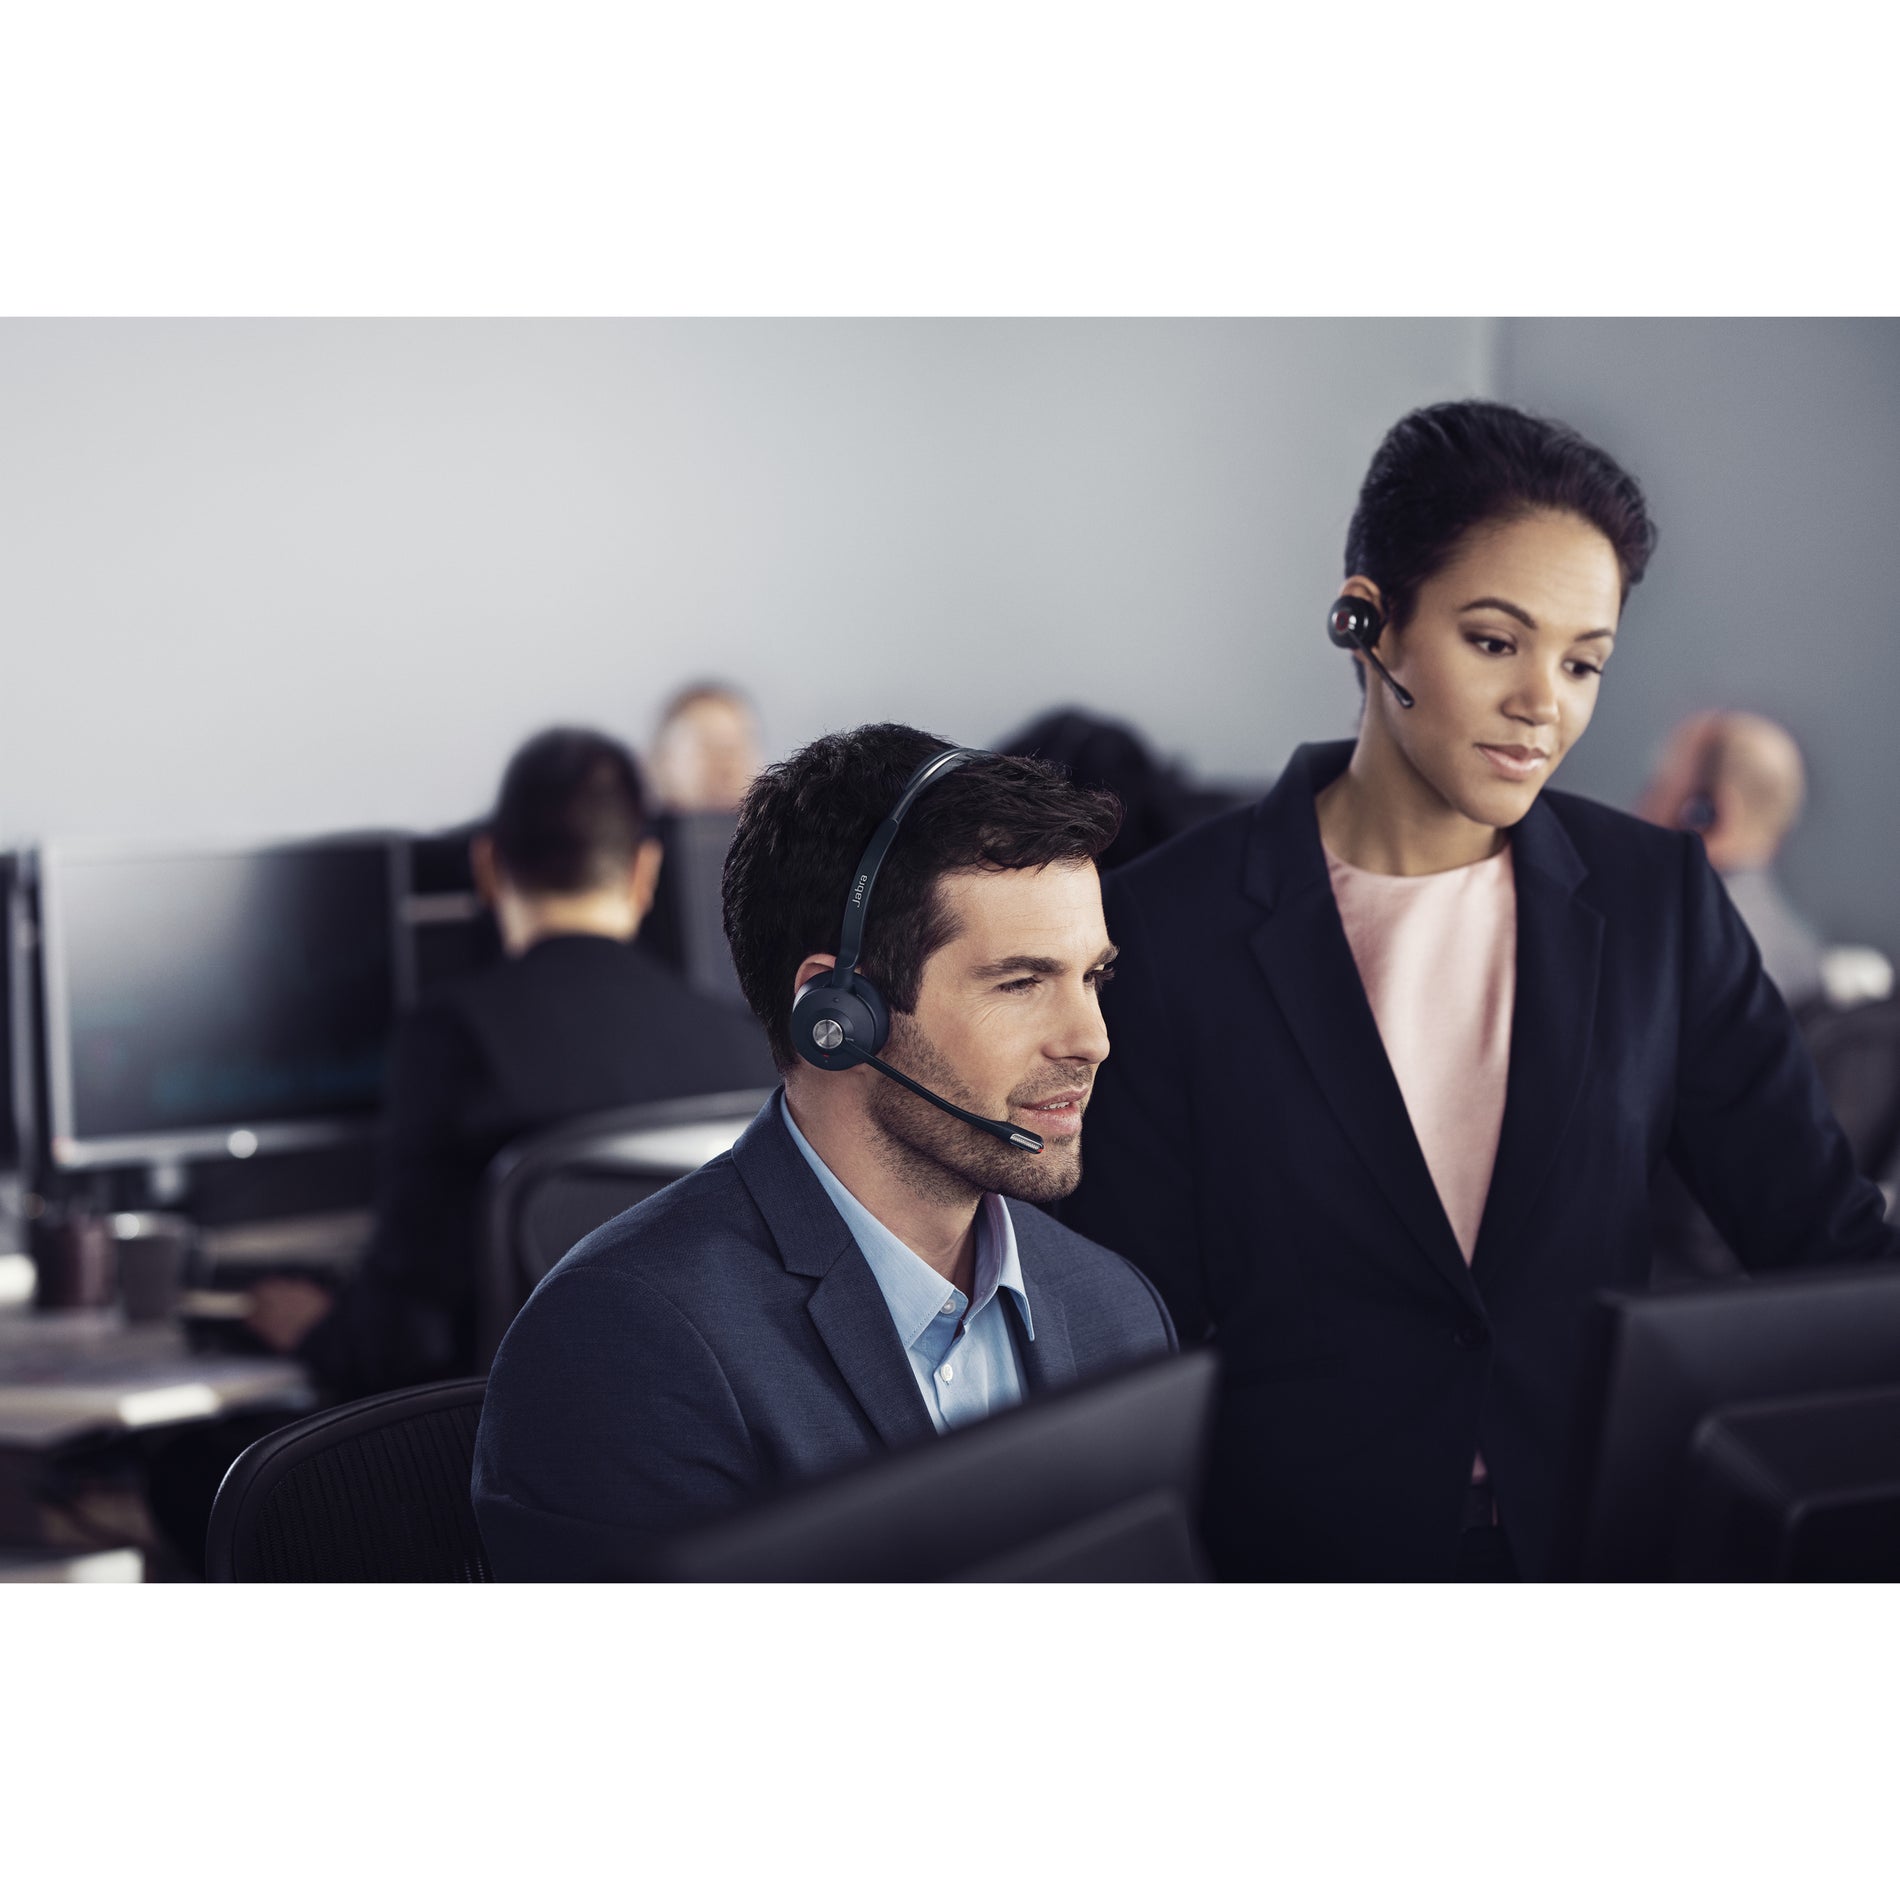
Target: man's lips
{"type": "Point", "coordinates": [1059, 1113]}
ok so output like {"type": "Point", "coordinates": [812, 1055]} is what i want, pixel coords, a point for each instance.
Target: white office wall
{"type": "Point", "coordinates": [274, 577]}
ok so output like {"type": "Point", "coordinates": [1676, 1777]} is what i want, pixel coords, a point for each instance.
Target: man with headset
{"type": "Point", "coordinates": [866, 1266]}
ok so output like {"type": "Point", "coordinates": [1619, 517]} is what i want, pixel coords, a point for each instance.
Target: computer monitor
{"type": "Point", "coordinates": [216, 1001]}
{"type": "Point", "coordinates": [686, 926]}
{"type": "Point", "coordinates": [1098, 1483]}
{"type": "Point", "coordinates": [1666, 1360]}
{"type": "Point", "coordinates": [19, 1119]}
{"type": "Point", "coordinates": [1802, 1490]}
{"type": "Point", "coordinates": [450, 932]}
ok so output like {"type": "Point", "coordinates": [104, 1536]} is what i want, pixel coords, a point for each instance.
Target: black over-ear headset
{"type": "Point", "coordinates": [840, 1018]}
{"type": "Point", "coordinates": [1355, 623]}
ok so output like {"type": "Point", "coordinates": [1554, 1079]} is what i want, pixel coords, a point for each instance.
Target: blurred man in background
{"type": "Point", "coordinates": [577, 1018]}
{"type": "Point", "coordinates": [706, 750]}
{"type": "Point", "coordinates": [1737, 778]}
{"type": "Point", "coordinates": [704, 755]}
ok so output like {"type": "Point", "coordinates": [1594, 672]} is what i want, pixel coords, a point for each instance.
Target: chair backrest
{"type": "Point", "coordinates": [371, 1492]}
{"type": "Point", "coordinates": [554, 1188]}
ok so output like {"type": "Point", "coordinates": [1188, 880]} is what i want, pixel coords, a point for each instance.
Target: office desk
{"type": "Point", "coordinates": [63, 1375]}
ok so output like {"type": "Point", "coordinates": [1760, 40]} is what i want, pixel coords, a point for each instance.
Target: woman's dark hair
{"type": "Point", "coordinates": [1455, 466]}
{"type": "Point", "coordinates": [805, 823]}
{"type": "Point", "coordinates": [571, 813]}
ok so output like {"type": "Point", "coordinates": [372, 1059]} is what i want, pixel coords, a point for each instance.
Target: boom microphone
{"type": "Point", "coordinates": [1003, 1131]}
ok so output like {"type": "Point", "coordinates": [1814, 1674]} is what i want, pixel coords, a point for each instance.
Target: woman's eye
{"type": "Point", "coordinates": [1582, 668]}
{"type": "Point", "coordinates": [1490, 643]}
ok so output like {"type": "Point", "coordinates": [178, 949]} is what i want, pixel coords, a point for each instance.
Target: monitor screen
{"type": "Point", "coordinates": [215, 1001]}
{"type": "Point", "coordinates": [1093, 1483]}
{"type": "Point", "coordinates": [1666, 1360]}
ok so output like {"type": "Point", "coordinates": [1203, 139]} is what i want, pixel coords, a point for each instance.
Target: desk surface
{"type": "Point", "coordinates": [66, 1374]}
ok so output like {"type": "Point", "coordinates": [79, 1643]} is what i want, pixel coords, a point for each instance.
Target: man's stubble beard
{"type": "Point", "coordinates": [946, 1160]}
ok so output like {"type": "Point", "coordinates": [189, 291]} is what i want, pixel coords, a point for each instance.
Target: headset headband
{"type": "Point", "coordinates": [857, 906]}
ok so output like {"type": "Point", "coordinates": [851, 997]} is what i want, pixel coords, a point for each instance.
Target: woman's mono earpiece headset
{"type": "Point", "coordinates": [840, 1018]}
{"type": "Point", "coordinates": [1355, 623]}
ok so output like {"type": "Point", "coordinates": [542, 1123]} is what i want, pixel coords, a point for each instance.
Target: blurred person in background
{"type": "Point", "coordinates": [577, 1018]}
{"type": "Point", "coordinates": [1737, 779]}
{"type": "Point", "coordinates": [1157, 799]}
{"type": "Point", "coordinates": [705, 753]}
{"type": "Point", "coordinates": [706, 749]}
{"type": "Point", "coordinates": [1397, 1052]}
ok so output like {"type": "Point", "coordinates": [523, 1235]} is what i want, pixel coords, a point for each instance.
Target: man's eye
{"type": "Point", "coordinates": [1021, 984]}
{"type": "Point", "coordinates": [1103, 976]}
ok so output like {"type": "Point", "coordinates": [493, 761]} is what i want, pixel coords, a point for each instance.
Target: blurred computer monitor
{"type": "Point", "coordinates": [686, 926]}
{"type": "Point", "coordinates": [1666, 1361]}
{"type": "Point", "coordinates": [216, 1001]}
{"type": "Point", "coordinates": [18, 1105]}
{"type": "Point", "coordinates": [1097, 1483]}
{"type": "Point", "coordinates": [450, 932]}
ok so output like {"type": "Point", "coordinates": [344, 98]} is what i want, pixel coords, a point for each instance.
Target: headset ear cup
{"type": "Point", "coordinates": [836, 1008]}
{"type": "Point", "coordinates": [1352, 622]}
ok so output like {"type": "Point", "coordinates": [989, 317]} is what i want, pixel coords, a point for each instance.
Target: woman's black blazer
{"type": "Point", "coordinates": [1247, 1147]}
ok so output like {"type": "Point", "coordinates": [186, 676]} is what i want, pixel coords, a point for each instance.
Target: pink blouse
{"type": "Point", "coordinates": [1438, 958]}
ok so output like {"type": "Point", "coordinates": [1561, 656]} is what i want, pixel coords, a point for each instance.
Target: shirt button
{"type": "Point", "coordinates": [949, 1305]}
{"type": "Point", "coordinates": [946, 1373]}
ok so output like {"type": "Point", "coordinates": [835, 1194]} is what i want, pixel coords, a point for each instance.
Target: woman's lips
{"type": "Point", "coordinates": [1517, 763]}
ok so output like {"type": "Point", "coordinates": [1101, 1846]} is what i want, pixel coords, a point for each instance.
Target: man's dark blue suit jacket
{"type": "Point", "coordinates": [725, 1336]}
{"type": "Point", "coordinates": [1248, 1148]}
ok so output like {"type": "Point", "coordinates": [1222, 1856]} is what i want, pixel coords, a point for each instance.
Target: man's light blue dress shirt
{"type": "Point", "coordinates": [960, 1350]}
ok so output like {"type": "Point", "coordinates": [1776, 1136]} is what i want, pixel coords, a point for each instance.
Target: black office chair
{"type": "Point", "coordinates": [372, 1492]}
{"type": "Point", "coordinates": [546, 1192]}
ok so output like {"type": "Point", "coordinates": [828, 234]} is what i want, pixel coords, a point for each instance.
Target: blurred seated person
{"type": "Point", "coordinates": [1737, 778]}
{"type": "Point", "coordinates": [576, 1019]}
{"type": "Point", "coordinates": [706, 750]}
{"type": "Point", "coordinates": [704, 755]}
{"type": "Point", "coordinates": [1157, 800]}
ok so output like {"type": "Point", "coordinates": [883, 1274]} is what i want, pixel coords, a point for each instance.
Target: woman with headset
{"type": "Point", "coordinates": [1397, 1051]}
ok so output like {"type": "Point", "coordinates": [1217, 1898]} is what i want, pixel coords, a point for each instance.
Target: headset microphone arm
{"type": "Point", "coordinates": [1003, 1131]}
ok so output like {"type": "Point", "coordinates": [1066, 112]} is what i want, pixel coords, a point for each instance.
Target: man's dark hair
{"type": "Point", "coordinates": [571, 813]}
{"type": "Point", "coordinates": [805, 823]}
{"type": "Point", "coordinates": [1445, 470]}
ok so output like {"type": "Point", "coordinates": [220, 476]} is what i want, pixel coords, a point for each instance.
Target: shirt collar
{"type": "Point", "coordinates": [913, 1290]}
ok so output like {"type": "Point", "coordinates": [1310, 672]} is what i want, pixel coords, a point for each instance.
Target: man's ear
{"type": "Point", "coordinates": [643, 877]}
{"type": "Point", "coordinates": [819, 960]}
{"type": "Point", "coordinates": [485, 869]}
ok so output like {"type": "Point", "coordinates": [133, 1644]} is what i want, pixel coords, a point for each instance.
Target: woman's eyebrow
{"type": "Point", "coordinates": [1503, 606]}
{"type": "Point", "coordinates": [1516, 612]}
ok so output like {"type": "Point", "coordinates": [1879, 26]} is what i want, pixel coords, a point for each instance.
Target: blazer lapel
{"type": "Point", "coordinates": [847, 1304]}
{"type": "Point", "coordinates": [1559, 958]}
{"type": "Point", "coordinates": [1302, 948]}
{"type": "Point", "coordinates": [1048, 1359]}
